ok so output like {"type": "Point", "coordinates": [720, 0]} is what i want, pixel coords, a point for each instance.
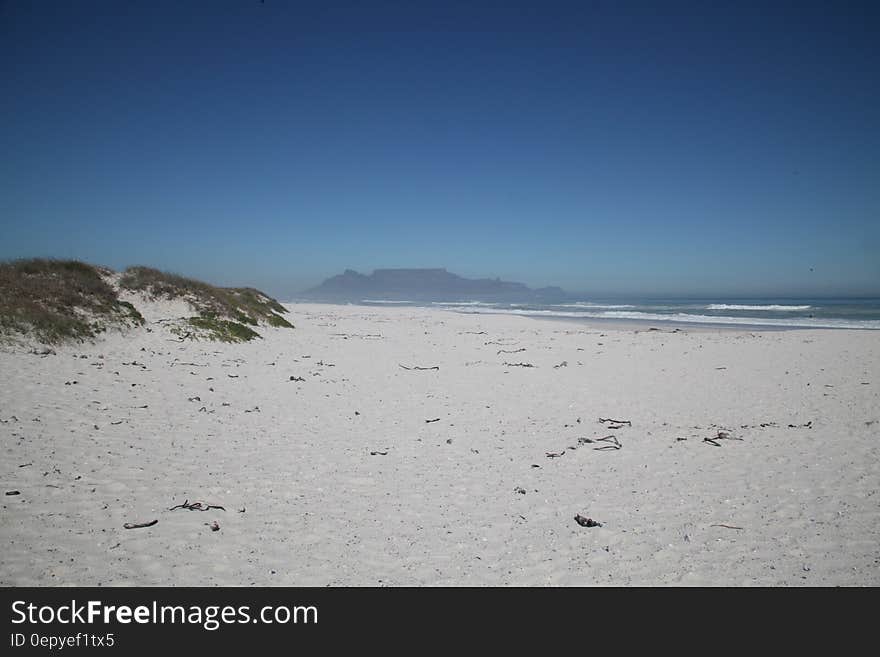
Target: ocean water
{"type": "Point", "coordinates": [781, 313]}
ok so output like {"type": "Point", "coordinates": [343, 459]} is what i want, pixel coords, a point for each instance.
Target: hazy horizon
{"type": "Point", "coordinates": [611, 150]}
{"type": "Point", "coordinates": [609, 293]}
{"type": "Point", "coordinates": [286, 292]}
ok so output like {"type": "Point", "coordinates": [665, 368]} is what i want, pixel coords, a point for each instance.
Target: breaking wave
{"type": "Point", "coordinates": [778, 308]}
{"type": "Point", "coordinates": [680, 318]}
{"type": "Point", "coordinates": [587, 304]}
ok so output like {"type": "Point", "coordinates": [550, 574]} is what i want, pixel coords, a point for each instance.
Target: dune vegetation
{"type": "Point", "coordinates": [54, 301]}
{"type": "Point", "coordinates": [224, 313]}
{"type": "Point", "coordinates": [59, 300]}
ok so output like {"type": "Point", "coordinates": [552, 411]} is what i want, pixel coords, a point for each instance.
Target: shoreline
{"type": "Point", "coordinates": [622, 323]}
{"type": "Point", "coordinates": [668, 326]}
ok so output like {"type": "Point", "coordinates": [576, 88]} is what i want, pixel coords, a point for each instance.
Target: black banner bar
{"type": "Point", "coordinates": [125, 619]}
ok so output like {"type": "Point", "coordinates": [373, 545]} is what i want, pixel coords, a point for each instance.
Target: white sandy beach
{"type": "Point", "coordinates": [340, 480]}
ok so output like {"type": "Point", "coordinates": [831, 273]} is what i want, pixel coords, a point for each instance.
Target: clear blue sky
{"type": "Point", "coordinates": [609, 147]}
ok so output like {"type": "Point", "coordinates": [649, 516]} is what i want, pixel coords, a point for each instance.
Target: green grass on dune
{"type": "Point", "coordinates": [58, 300]}
{"type": "Point", "coordinates": [223, 330]}
{"type": "Point", "coordinates": [279, 322]}
{"type": "Point", "coordinates": [225, 313]}
{"type": "Point", "coordinates": [242, 305]}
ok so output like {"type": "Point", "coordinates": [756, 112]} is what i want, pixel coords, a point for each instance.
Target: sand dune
{"type": "Point", "coordinates": [340, 479]}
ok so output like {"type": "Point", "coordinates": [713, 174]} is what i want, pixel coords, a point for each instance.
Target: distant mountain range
{"type": "Point", "coordinates": [425, 285]}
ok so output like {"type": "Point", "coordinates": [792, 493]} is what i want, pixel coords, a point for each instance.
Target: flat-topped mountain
{"type": "Point", "coordinates": [424, 285]}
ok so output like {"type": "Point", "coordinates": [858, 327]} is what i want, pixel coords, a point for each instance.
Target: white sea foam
{"type": "Point", "coordinates": [682, 318]}
{"type": "Point", "coordinates": [587, 304]}
{"type": "Point", "coordinates": [726, 306]}
{"type": "Point", "coordinates": [800, 322]}
{"type": "Point", "coordinates": [461, 303]}
{"type": "Point", "coordinates": [512, 311]}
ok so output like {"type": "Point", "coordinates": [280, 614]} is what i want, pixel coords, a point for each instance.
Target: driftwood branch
{"type": "Point", "coordinates": [614, 443]}
{"type": "Point", "coordinates": [416, 367]}
{"type": "Point", "coordinates": [139, 525]}
{"type": "Point", "coordinates": [196, 506]}
{"type": "Point", "coordinates": [720, 435]}
{"type": "Point", "coordinates": [608, 420]}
